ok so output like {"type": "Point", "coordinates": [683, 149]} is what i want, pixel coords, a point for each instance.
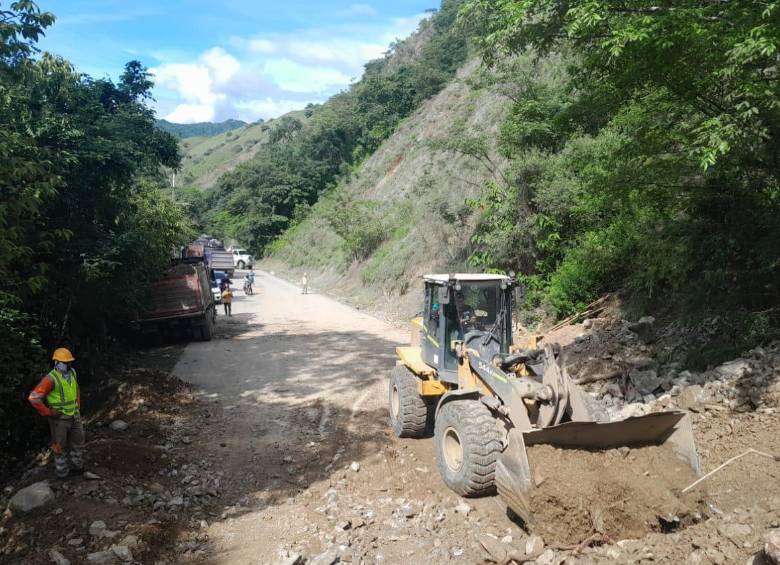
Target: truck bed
{"type": "Point", "coordinates": [177, 294]}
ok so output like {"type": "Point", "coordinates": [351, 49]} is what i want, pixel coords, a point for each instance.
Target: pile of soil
{"type": "Point", "coordinates": [619, 493]}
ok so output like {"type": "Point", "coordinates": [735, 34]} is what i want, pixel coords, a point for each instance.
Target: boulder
{"type": "Point", "coordinates": [734, 369]}
{"type": "Point", "coordinates": [534, 545]}
{"type": "Point", "coordinates": [644, 328]}
{"type": "Point", "coordinates": [123, 552]}
{"type": "Point", "coordinates": [119, 425]}
{"type": "Point", "coordinates": [645, 382]}
{"type": "Point", "coordinates": [34, 496]}
{"type": "Point", "coordinates": [97, 528]}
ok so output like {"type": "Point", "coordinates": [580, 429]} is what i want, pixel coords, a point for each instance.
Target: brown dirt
{"type": "Point", "coordinates": [619, 494]}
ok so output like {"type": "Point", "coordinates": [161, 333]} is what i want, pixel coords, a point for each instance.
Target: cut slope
{"type": "Point", "coordinates": [422, 194]}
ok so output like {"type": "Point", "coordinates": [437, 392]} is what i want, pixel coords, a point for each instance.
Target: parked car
{"type": "Point", "coordinates": [242, 259]}
{"type": "Point", "coordinates": [215, 290]}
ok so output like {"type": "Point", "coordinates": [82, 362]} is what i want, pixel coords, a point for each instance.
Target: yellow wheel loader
{"type": "Point", "coordinates": [490, 399]}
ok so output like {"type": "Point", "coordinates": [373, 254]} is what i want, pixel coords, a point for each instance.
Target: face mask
{"type": "Point", "coordinates": [61, 367]}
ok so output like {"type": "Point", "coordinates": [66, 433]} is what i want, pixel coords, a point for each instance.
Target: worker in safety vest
{"type": "Point", "coordinates": [57, 397]}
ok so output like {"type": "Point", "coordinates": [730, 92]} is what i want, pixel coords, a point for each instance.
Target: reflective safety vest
{"type": "Point", "coordinates": [64, 396]}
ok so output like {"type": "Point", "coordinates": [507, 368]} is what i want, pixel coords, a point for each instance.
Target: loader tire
{"type": "Point", "coordinates": [408, 410]}
{"type": "Point", "coordinates": [468, 443]}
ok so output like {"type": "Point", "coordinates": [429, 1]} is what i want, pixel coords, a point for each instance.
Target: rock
{"type": "Point", "coordinates": [698, 557]}
{"type": "Point", "coordinates": [90, 476]}
{"type": "Point", "coordinates": [123, 552]}
{"type": "Point", "coordinates": [102, 557]}
{"type": "Point", "coordinates": [546, 558]}
{"type": "Point", "coordinates": [329, 557]}
{"type": "Point", "coordinates": [534, 545]}
{"type": "Point", "coordinates": [75, 542]}
{"type": "Point", "coordinates": [58, 557]}
{"type": "Point", "coordinates": [176, 501]}
{"type": "Point", "coordinates": [456, 551]}
{"type": "Point", "coordinates": [735, 532]}
{"type": "Point", "coordinates": [97, 528]}
{"type": "Point", "coordinates": [408, 511]}
{"type": "Point", "coordinates": [691, 397]}
{"type": "Point", "coordinates": [130, 541]}
{"type": "Point", "coordinates": [354, 466]}
{"type": "Point", "coordinates": [119, 425]}
{"type": "Point", "coordinates": [734, 369]}
{"type": "Point", "coordinates": [496, 549]}
{"type": "Point", "coordinates": [644, 329]}
{"type": "Point", "coordinates": [645, 382]}
{"type": "Point", "coordinates": [463, 508]}
{"type": "Point", "coordinates": [772, 546]}
{"type": "Point", "coordinates": [34, 496]}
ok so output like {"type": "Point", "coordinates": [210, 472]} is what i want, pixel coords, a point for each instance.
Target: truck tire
{"type": "Point", "coordinates": [206, 329]}
{"type": "Point", "coordinates": [240, 265]}
{"type": "Point", "coordinates": [408, 410]}
{"type": "Point", "coordinates": [468, 443]}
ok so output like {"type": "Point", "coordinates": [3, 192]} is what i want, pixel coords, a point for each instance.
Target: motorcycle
{"type": "Point", "coordinates": [248, 286]}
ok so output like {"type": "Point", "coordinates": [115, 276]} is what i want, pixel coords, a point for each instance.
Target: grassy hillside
{"type": "Point", "coordinates": [208, 158]}
{"type": "Point", "coordinates": [414, 192]}
{"type": "Point", "coordinates": [198, 129]}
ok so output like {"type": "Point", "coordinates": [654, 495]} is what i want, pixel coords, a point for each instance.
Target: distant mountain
{"type": "Point", "coordinates": [202, 129]}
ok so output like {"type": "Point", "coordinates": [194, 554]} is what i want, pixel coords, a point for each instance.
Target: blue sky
{"type": "Point", "coordinates": [215, 60]}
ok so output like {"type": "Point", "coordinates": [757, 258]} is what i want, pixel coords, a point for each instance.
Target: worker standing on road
{"type": "Point", "coordinates": [58, 397]}
{"type": "Point", "coordinates": [305, 283]}
{"type": "Point", "coordinates": [227, 300]}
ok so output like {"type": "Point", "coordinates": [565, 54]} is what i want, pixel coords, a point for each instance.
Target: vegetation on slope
{"type": "Point", "coordinates": [645, 158]}
{"type": "Point", "coordinates": [199, 129]}
{"type": "Point", "coordinates": [303, 158]}
{"type": "Point", "coordinates": [82, 221]}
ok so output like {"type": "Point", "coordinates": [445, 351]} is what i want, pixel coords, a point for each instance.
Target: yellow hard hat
{"type": "Point", "coordinates": [63, 354]}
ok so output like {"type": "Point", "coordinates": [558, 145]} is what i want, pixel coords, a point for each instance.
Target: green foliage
{"type": "Point", "coordinates": [643, 145]}
{"type": "Point", "coordinates": [199, 129]}
{"type": "Point", "coordinates": [360, 224]}
{"type": "Point", "coordinates": [308, 155]}
{"type": "Point", "coordinates": [83, 225]}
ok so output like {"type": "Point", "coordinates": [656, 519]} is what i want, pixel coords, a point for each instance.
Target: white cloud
{"type": "Point", "coordinates": [266, 75]}
{"type": "Point", "coordinates": [262, 46]}
{"type": "Point", "coordinates": [197, 84]}
{"type": "Point", "coordinates": [296, 77]}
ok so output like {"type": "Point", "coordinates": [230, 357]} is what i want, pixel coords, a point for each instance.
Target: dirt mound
{"type": "Point", "coordinates": [619, 493]}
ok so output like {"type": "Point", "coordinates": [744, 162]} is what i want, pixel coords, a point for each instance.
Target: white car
{"type": "Point", "coordinates": [242, 259]}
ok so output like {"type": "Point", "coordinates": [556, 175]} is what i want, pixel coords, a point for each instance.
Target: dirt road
{"type": "Point", "coordinates": [301, 383]}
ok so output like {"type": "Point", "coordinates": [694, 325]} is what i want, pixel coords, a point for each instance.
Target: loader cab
{"type": "Point", "coordinates": [456, 305]}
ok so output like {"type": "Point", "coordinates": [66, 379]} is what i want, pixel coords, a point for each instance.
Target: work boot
{"type": "Point", "coordinates": [61, 466]}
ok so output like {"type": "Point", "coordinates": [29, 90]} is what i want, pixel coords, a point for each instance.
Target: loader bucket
{"type": "Point", "coordinates": [514, 480]}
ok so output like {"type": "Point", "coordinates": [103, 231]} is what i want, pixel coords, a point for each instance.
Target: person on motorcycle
{"type": "Point", "coordinates": [249, 282]}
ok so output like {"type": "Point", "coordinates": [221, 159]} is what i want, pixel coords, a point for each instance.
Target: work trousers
{"type": "Point", "coordinates": [67, 441]}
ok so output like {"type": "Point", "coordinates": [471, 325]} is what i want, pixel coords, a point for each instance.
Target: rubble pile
{"type": "Point", "coordinates": [633, 369]}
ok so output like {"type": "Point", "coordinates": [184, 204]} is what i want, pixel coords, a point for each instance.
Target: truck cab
{"type": "Point", "coordinates": [459, 307]}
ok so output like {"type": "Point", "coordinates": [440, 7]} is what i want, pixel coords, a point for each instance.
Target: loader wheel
{"type": "Point", "coordinates": [468, 444]}
{"type": "Point", "coordinates": [408, 410]}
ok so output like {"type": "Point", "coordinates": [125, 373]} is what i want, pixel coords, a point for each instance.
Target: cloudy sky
{"type": "Point", "coordinates": [214, 59]}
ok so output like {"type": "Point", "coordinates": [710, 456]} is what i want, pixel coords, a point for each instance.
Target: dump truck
{"type": "Point", "coordinates": [181, 301]}
{"type": "Point", "coordinates": [488, 399]}
{"type": "Point", "coordinates": [220, 260]}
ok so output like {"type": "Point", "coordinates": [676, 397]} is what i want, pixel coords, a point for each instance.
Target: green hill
{"type": "Point", "coordinates": [199, 129]}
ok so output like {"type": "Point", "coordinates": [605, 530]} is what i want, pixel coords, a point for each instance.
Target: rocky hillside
{"type": "Point", "coordinates": [419, 194]}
